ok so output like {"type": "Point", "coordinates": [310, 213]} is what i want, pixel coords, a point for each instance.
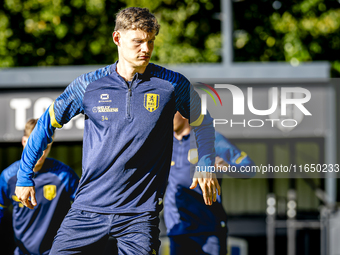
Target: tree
{"type": "Point", "coordinates": [78, 32]}
{"type": "Point", "coordinates": [293, 31]}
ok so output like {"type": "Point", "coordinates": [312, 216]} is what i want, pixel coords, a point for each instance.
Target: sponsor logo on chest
{"type": "Point", "coordinates": [105, 98]}
{"type": "Point", "coordinates": [104, 109]}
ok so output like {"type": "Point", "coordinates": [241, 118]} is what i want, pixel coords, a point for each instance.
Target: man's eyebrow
{"type": "Point", "coordinates": [137, 38]}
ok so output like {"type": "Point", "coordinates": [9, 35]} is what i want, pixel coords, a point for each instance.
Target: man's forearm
{"type": "Point", "coordinates": [205, 139]}
{"type": "Point", "coordinates": [40, 137]}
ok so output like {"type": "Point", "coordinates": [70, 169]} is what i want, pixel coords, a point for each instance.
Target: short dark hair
{"type": "Point", "coordinates": [136, 18]}
{"type": "Point", "coordinates": [30, 124]}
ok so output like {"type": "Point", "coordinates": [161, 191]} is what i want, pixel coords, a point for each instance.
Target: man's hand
{"type": "Point", "coordinates": [208, 184]}
{"type": "Point", "coordinates": [219, 162]}
{"type": "Point", "coordinates": [24, 193]}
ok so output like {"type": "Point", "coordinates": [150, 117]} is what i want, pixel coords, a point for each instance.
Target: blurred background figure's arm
{"type": "Point", "coordinates": [231, 157]}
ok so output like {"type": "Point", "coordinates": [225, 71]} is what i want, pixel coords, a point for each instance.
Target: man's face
{"type": "Point", "coordinates": [134, 46]}
{"type": "Point", "coordinates": [179, 121]}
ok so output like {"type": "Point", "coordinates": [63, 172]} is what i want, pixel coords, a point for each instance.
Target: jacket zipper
{"type": "Point", "coordinates": [129, 95]}
{"type": "Point", "coordinates": [128, 110]}
{"type": "Point", "coordinates": [180, 153]}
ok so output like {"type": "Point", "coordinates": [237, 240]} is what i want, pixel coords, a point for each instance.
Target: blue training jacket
{"type": "Point", "coordinates": [184, 209]}
{"type": "Point", "coordinates": [55, 186]}
{"type": "Point", "coordinates": [127, 140]}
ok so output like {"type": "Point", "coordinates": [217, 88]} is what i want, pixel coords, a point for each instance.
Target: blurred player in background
{"type": "Point", "coordinates": [193, 227]}
{"type": "Point", "coordinates": [129, 108]}
{"type": "Point", "coordinates": [55, 187]}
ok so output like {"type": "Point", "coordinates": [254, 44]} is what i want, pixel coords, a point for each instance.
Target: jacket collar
{"type": "Point", "coordinates": [138, 77]}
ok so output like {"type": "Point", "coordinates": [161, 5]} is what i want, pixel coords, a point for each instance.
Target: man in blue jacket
{"type": "Point", "coordinates": [193, 227]}
{"type": "Point", "coordinates": [55, 186]}
{"type": "Point", "coordinates": [129, 108]}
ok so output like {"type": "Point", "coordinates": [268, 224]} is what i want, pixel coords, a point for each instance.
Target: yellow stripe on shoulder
{"type": "Point", "coordinates": [3, 206]}
{"type": "Point", "coordinates": [197, 122]}
{"type": "Point", "coordinates": [241, 157]}
{"type": "Point", "coordinates": [54, 122]}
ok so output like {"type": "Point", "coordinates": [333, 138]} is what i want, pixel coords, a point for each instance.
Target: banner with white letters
{"type": "Point", "coordinates": [17, 108]}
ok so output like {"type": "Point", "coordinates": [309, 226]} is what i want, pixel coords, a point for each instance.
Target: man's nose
{"type": "Point", "coordinates": [145, 47]}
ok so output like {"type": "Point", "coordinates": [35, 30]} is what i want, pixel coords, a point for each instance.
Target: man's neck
{"type": "Point", "coordinates": [183, 131]}
{"type": "Point", "coordinates": [127, 71]}
{"type": "Point", "coordinates": [39, 165]}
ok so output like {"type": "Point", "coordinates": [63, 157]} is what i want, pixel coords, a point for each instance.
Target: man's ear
{"type": "Point", "coordinates": [24, 141]}
{"type": "Point", "coordinates": [116, 37]}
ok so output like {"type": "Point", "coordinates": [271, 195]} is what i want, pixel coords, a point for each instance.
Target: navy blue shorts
{"type": "Point", "coordinates": [203, 244]}
{"type": "Point", "coordinates": [84, 232]}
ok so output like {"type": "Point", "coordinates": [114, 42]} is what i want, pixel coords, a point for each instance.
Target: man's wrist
{"type": "Point", "coordinates": [24, 179]}
{"type": "Point", "coordinates": [206, 163]}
